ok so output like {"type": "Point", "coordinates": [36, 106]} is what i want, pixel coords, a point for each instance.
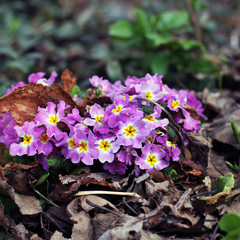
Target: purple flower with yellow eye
{"type": "Point", "coordinates": [67, 143]}
{"type": "Point", "coordinates": [107, 147]}
{"type": "Point", "coordinates": [152, 121]}
{"type": "Point", "coordinates": [132, 132]}
{"type": "Point", "coordinates": [173, 150]}
{"type": "Point", "coordinates": [152, 158]}
{"type": "Point", "coordinates": [85, 150]}
{"type": "Point", "coordinates": [120, 110]}
{"type": "Point", "coordinates": [29, 135]}
{"type": "Point", "coordinates": [150, 89]}
{"type": "Point", "coordinates": [100, 83]}
{"type": "Point", "coordinates": [45, 146]}
{"type": "Point", "coordinates": [96, 112]}
{"type": "Point", "coordinates": [50, 117]}
{"type": "Point", "coordinates": [189, 123]}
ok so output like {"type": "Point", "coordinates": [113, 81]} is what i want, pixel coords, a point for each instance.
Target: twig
{"type": "Point", "coordinates": [128, 194]}
{"type": "Point", "coordinates": [124, 201]}
{"type": "Point", "coordinates": [102, 208]}
{"type": "Point", "coordinates": [194, 21]}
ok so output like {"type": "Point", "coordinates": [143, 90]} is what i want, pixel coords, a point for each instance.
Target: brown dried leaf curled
{"type": "Point", "coordinates": [23, 102]}
{"type": "Point", "coordinates": [68, 80]}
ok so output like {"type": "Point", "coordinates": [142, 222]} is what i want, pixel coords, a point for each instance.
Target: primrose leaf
{"type": "Point", "coordinates": [230, 222]}
{"type": "Point", "coordinates": [172, 20]}
{"type": "Point", "coordinates": [121, 30]}
{"type": "Point", "coordinates": [224, 183]}
{"type": "Point", "coordinates": [223, 186]}
{"type": "Point", "coordinates": [76, 90]}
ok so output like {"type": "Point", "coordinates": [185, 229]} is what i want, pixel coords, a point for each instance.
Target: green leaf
{"type": "Point", "coordinates": [158, 39]}
{"type": "Point", "coordinates": [142, 21]}
{"type": "Point", "coordinates": [235, 130]}
{"type": "Point", "coordinates": [172, 19]}
{"type": "Point", "coordinates": [230, 223]}
{"type": "Point", "coordinates": [100, 52]}
{"type": "Point", "coordinates": [190, 44]}
{"type": "Point", "coordinates": [42, 179]}
{"type": "Point", "coordinates": [60, 164]}
{"type": "Point", "coordinates": [76, 90]}
{"type": "Point", "coordinates": [147, 110]}
{"type": "Point", "coordinates": [121, 30]}
{"type": "Point", "coordinates": [224, 183]}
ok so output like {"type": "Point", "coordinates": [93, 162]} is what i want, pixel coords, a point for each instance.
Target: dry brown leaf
{"type": "Point", "coordinates": [23, 102]}
{"type": "Point", "coordinates": [58, 236]}
{"type": "Point", "coordinates": [68, 80]}
{"type": "Point", "coordinates": [82, 222]}
{"type": "Point", "coordinates": [153, 187]}
{"type": "Point", "coordinates": [28, 205]}
{"type": "Point", "coordinates": [96, 200]}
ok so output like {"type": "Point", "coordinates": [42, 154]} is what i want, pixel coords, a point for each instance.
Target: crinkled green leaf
{"type": "Point", "coordinates": [224, 183]}
{"type": "Point", "coordinates": [42, 179]}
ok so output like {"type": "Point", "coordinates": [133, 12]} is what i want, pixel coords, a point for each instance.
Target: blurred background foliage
{"type": "Point", "coordinates": [182, 40]}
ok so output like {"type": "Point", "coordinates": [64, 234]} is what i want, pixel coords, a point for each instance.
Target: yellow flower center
{"type": "Point", "coordinates": [149, 95]}
{"type": "Point", "coordinates": [83, 146]}
{"type": "Point", "coordinates": [118, 109]}
{"type": "Point", "coordinates": [44, 138]}
{"type": "Point", "coordinates": [72, 143]}
{"type": "Point", "coordinates": [98, 118]}
{"type": "Point", "coordinates": [152, 159]}
{"type": "Point", "coordinates": [130, 131]}
{"type": "Point", "coordinates": [104, 145]}
{"type": "Point", "coordinates": [27, 140]}
{"type": "Point", "coordinates": [88, 108]}
{"type": "Point", "coordinates": [169, 144]}
{"type": "Point", "coordinates": [53, 119]}
{"type": "Point", "coordinates": [150, 118]}
{"type": "Point", "coordinates": [175, 104]}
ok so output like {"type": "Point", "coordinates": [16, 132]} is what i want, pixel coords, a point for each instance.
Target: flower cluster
{"type": "Point", "coordinates": [131, 131]}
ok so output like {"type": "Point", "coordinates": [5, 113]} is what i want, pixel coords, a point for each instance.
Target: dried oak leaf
{"type": "Point", "coordinates": [23, 102]}
{"type": "Point", "coordinates": [68, 80]}
{"type": "Point", "coordinates": [28, 205]}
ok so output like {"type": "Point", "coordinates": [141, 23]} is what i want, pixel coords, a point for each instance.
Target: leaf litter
{"type": "Point", "coordinates": [168, 207]}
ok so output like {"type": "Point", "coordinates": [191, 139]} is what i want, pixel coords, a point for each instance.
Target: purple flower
{"type": "Point", "coordinates": [43, 160]}
{"type": "Point", "coordinates": [107, 147]}
{"type": "Point", "coordinates": [50, 116]}
{"type": "Point", "coordinates": [13, 87]}
{"type": "Point", "coordinates": [29, 135]}
{"type": "Point", "coordinates": [85, 151]}
{"type": "Point", "coordinates": [8, 134]}
{"type": "Point", "coordinates": [189, 123]}
{"type": "Point", "coordinates": [115, 166]}
{"type": "Point", "coordinates": [100, 83]}
{"type": "Point", "coordinates": [125, 155]}
{"type": "Point", "coordinates": [96, 112]}
{"type": "Point", "coordinates": [73, 117]}
{"type": "Point", "coordinates": [173, 151]}
{"type": "Point", "coordinates": [132, 132]}
{"type": "Point", "coordinates": [38, 78]}
{"type": "Point", "coordinates": [150, 88]}
{"type": "Point", "coordinates": [152, 158]}
{"type": "Point", "coordinates": [45, 146]}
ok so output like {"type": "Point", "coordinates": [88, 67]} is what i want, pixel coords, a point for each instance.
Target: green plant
{"type": "Point", "coordinates": [163, 44]}
{"type": "Point", "coordinates": [235, 166]}
{"type": "Point", "coordinates": [230, 223]}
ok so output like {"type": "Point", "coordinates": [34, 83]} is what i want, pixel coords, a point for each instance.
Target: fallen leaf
{"type": "Point", "coordinates": [28, 205]}
{"type": "Point", "coordinates": [68, 80]}
{"type": "Point", "coordinates": [23, 102]}
{"type": "Point", "coordinates": [58, 236]}
{"type": "Point", "coordinates": [153, 187]}
{"type": "Point", "coordinates": [82, 225]}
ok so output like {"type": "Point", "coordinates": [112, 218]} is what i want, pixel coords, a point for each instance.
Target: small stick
{"type": "Point", "coordinates": [102, 208]}
{"type": "Point", "coordinates": [194, 20]}
{"type": "Point", "coordinates": [125, 202]}
{"type": "Point", "coordinates": [98, 192]}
